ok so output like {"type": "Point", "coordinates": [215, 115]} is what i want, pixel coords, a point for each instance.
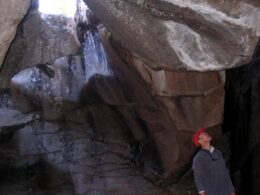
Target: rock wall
{"type": "Point", "coordinates": [160, 109]}
{"type": "Point", "coordinates": [41, 39]}
{"type": "Point", "coordinates": [9, 22]}
{"type": "Point", "coordinates": [94, 129]}
{"type": "Point", "coordinates": [178, 105]}
{"type": "Point", "coordinates": [83, 146]}
{"type": "Point", "coordinates": [198, 35]}
{"type": "Point", "coordinates": [76, 156]}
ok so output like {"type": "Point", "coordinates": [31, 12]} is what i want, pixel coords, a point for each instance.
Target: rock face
{"type": "Point", "coordinates": [41, 39]}
{"type": "Point", "coordinates": [87, 153]}
{"type": "Point", "coordinates": [159, 120]}
{"type": "Point", "coordinates": [121, 114]}
{"type": "Point", "coordinates": [86, 148]}
{"type": "Point", "coordinates": [178, 106]}
{"type": "Point", "coordinates": [11, 14]}
{"type": "Point", "coordinates": [160, 108]}
{"type": "Point", "coordinates": [55, 89]}
{"type": "Point", "coordinates": [198, 35]}
{"type": "Point", "coordinates": [12, 118]}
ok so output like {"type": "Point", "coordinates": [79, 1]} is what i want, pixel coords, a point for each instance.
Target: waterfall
{"type": "Point", "coordinates": [94, 56]}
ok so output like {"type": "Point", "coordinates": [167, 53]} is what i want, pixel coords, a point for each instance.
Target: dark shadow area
{"type": "Point", "coordinates": [102, 89]}
{"type": "Point", "coordinates": [90, 92]}
{"type": "Point", "coordinates": [38, 178]}
{"type": "Point", "coordinates": [242, 124]}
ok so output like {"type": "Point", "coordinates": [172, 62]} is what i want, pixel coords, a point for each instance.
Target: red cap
{"type": "Point", "coordinates": [195, 138]}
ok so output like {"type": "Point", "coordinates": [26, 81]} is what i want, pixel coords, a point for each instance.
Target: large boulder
{"type": "Point", "coordinates": [197, 35]}
{"type": "Point", "coordinates": [11, 14]}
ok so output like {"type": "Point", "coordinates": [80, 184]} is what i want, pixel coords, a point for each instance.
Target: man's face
{"type": "Point", "coordinates": [204, 138]}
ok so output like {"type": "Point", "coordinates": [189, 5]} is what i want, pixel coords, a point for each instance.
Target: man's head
{"type": "Point", "coordinates": [201, 138]}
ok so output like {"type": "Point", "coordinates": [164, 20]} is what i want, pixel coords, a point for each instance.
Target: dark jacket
{"type": "Point", "coordinates": [211, 174]}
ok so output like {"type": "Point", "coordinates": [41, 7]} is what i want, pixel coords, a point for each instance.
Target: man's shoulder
{"type": "Point", "coordinates": [199, 159]}
{"type": "Point", "coordinates": [200, 155]}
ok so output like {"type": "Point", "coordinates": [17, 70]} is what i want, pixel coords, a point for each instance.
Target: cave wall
{"type": "Point", "coordinates": [181, 105]}
{"type": "Point", "coordinates": [40, 39]}
{"type": "Point", "coordinates": [161, 38]}
{"type": "Point", "coordinates": [9, 22]}
{"type": "Point", "coordinates": [141, 118]}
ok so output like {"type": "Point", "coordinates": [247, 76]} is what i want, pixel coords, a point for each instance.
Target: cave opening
{"type": "Point", "coordinates": [58, 7]}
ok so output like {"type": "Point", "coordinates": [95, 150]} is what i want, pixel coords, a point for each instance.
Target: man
{"type": "Point", "coordinates": [210, 172]}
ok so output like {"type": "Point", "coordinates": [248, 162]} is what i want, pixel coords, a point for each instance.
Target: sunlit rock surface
{"type": "Point", "coordinates": [11, 14]}
{"type": "Point", "coordinates": [197, 35]}
{"type": "Point", "coordinates": [41, 39]}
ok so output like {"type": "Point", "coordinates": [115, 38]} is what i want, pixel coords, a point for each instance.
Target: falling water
{"type": "Point", "coordinates": [94, 56]}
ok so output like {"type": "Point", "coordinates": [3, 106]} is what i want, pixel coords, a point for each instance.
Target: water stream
{"type": "Point", "coordinates": [94, 56]}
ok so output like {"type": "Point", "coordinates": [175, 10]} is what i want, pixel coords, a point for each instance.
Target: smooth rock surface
{"type": "Point", "coordinates": [55, 89]}
{"type": "Point", "coordinates": [11, 14]}
{"type": "Point", "coordinates": [199, 35]}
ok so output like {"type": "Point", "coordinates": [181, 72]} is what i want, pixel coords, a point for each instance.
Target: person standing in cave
{"type": "Point", "coordinates": [210, 172]}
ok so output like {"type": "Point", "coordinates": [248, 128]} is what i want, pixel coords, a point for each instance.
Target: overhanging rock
{"type": "Point", "coordinates": [199, 35]}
